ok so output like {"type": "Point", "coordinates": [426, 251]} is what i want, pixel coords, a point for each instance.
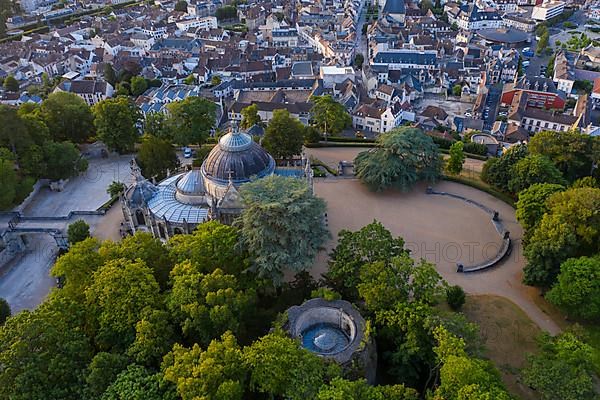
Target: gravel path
{"type": "Point", "coordinates": [444, 231]}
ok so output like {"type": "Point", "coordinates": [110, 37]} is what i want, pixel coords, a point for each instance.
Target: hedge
{"type": "Point", "coordinates": [484, 188]}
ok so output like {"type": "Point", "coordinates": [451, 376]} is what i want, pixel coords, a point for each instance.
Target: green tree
{"type": "Point", "coordinates": [282, 225]}
{"type": "Point", "coordinates": [329, 116]}
{"type": "Point", "coordinates": [455, 297]}
{"type": "Point", "coordinates": [402, 157]}
{"type": "Point", "coordinates": [68, 117]}
{"type": "Point", "coordinates": [157, 157]}
{"type": "Point", "coordinates": [550, 65]}
{"type": "Point", "coordinates": [570, 228]}
{"type": "Point", "coordinates": [206, 305]}
{"type": "Point", "coordinates": [8, 183]}
{"type": "Point", "coordinates": [11, 84]}
{"type": "Point", "coordinates": [562, 370]}
{"type": "Point", "coordinates": [577, 290]}
{"type": "Point", "coordinates": [284, 135]}
{"type": "Point", "coordinates": [115, 121]}
{"type": "Point", "coordinates": [12, 131]}
{"type": "Point", "coordinates": [76, 267]}
{"type": "Point", "coordinates": [385, 283]}
{"type": "Point", "coordinates": [215, 80]}
{"type": "Point", "coordinates": [533, 169]}
{"type": "Point", "coordinates": [120, 290]}
{"type": "Point", "coordinates": [190, 79]}
{"type": "Point", "coordinates": [340, 388]}
{"type": "Point", "coordinates": [157, 124]}
{"type": "Point", "coordinates": [62, 160]}
{"type": "Point", "coordinates": [109, 74]}
{"type": "Point", "coordinates": [457, 158]}
{"type": "Point", "coordinates": [226, 12]}
{"type": "Point", "coordinates": [154, 336]}
{"type": "Point", "coordinates": [141, 246]}
{"type": "Point", "coordinates": [78, 231]}
{"type": "Point", "coordinates": [102, 371]}
{"type": "Point", "coordinates": [192, 120]}
{"type": "Point", "coordinates": [279, 366]}
{"type": "Point", "coordinates": [464, 377]}
{"type": "Point", "coordinates": [370, 244]}
{"type": "Point", "coordinates": [139, 84]}
{"type": "Point", "coordinates": [115, 188]}
{"type": "Point", "coordinates": [532, 206]}
{"type": "Point", "coordinates": [573, 153]}
{"type": "Point", "coordinates": [4, 311]}
{"type": "Point", "coordinates": [250, 117]}
{"type": "Point", "coordinates": [359, 60]}
{"type": "Point", "coordinates": [138, 383]}
{"type": "Point", "coordinates": [497, 171]}
{"type": "Point", "coordinates": [212, 245]}
{"type": "Point", "coordinates": [215, 374]}
{"type": "Point", "coordinates": [44, 353]}
{"type": "Point", "coordinates": [123, 89]}
{"type": "Point", "coordinates": [457, 90]}
{"type": "Point", "coordinates": [181, 5]}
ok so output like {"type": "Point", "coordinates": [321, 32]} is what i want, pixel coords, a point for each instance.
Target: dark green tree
{"type": "Point", "coordinates": [455, 297]}
{"type": "Point", "coordinates": [4, 311]}
{"type": "Point", "coordinates": [402, 157]}
{"type": "Point", "coordinates": [139, 83]}
{"type": "Point", "coordinates": [284, 135]}
{"type": "Point", "coordinates": [370, 244]}
{"type": "Point", "coordinates": [340, 388]}
{"type": "Point", "coordinates": [533, 169]}
{"type": "Point", "coordinates": [156, 157]}
{"type": "Point", "coordinates": [115, 188]}
{"type": "Point", "coordinates": [563, 369]}
{"type": "Point", "coordinates": [497, 171]}
{"type": "Point", "coordinates": [78, 231]}
{"type": "Point", "coordinates": [577, 289]}
{"type": "Point", "coordinates": [109, 74]}
{"type": "Point", "coordinates": [158, 124]}
{"type": "Point", "coordinates": [62, 160]}
{"type": "Point", "coordinates": [68, 117]}
{"type": "Point", "coordinates": [115, 121]}
{"type": "Point", "coordinates": [8, 183]}
{"type": "Point", "coordinates": [102, 372]}
{"type": "Point", "coordinates": [329, 116]}
{"type": "Point", "coordinates": [154, 337]}
{"type": "Point", "coordinates": [11, 84]}
{"type": "Point", "coordinates": [181, 5]}
{"type": "Point", "coordinates": [192, 120]}
{"type": "Point", "coordinates": [282, 225]}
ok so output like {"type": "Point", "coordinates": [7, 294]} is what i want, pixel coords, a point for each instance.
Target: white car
{"type": "Point", "coordinates": [468, 114]}
{"type": "Point", "coordinates": [187, 152]}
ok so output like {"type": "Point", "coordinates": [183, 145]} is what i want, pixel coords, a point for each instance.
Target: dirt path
{"type": "Point", "coordinates": [442, 230]}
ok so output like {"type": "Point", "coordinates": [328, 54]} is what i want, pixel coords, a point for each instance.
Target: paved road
{"type": "Point", "coordinates": [492, 103]}
{"type": "Point", "coordinates": [361, 40]}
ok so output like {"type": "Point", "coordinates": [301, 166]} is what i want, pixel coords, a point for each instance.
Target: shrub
{"type": "Point", "coordinates": [325, 293]}
{"type": "Point", "coordinates": [455, 297]}
{"type": "Point", "coordinates": [78, 231]}
{"type": "Point", "coordinates": [475, 148]}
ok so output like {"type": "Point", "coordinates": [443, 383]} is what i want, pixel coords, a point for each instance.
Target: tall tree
{"type": "Point", "coordinates": [563, 369]}
{"type": "Point", "coordinates": [158, 124]}
{"type": "Point", "coordinates": [103, 371]}
{"type": "Point", "coordinates": [62, 160]}
{"type": "Point", "coordinates": [250, 117]}
{"type": "Point", "coordinates": [206, 305]}
{"type": "Point", "coordinates": [282, 225]}
{"type": "Point", "coordinates": [192, 119]}
{"type": "Point", "coordinates": [8, 183]}
{"type": "Point", "coordinates": [329, 116]}
{"type": "Point", "coordinates": [109, 74]}
{"type": "Point", "coordinates": [76, 267]}
{"type": "Point", "coordinates": [280, 367]}
{"type": "Point", "coordinates": [457, 158]}
{"type": "Point", "coordinates": [533, 169]}
{"type": "Point", "coordinates": [138, 85]}
{"type": "Point", "coordinates": [68, 117]}
{"type": "Point", "coordinates": [497, 171]}
{"type": "Point", "coordinates": [284, 135]}
{"type": "Point", "coordinates": [572, 152]}
{"type": "Point", "coordinates": [154, 336]}
{"type": "Point", "coordinates": [11, 84]}
{"type": "Point", "coordinates": [115, 121]}
{"type": "Point", "coordinates": [570, 228]}
{"type": "Point", "coordinates": [577, 290]}
{"type": "Point", "coordinates": [4, 311]}
{"type": "Point", "coordinates": [370, 244]}
{"type": "Point", "coordinates": [402, 157]}
{"type": "Point", "coordinates": [78, 231]}
{"type": "Point", "coordinates": [214, 374]}
{"type": "Point", "coordinates": [120, 291]}
{"type": "Point", "coordinates": [156, 157]}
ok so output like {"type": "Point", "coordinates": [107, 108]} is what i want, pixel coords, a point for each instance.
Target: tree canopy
{"type": "Point", "coordinates": [116, 123]}
{"type": "Point", "coordinates": [156, 157]}
{"type": "Point", "coordinates": [284, 135]}
{"type": "Point", "coordinates": [329, 116]}
{"type": "Point", "coordinates": [533, 169]}
{"type": "Point", "coordinates": [250, 117]}
{"type": "Point", "coordinates": [192, 120]}
{"type": "Point", "coordinates": [282, 225]}
{"type": "Point", "coordinates": [68, 117]}
{"type": "Point", "coordinates": [498, 171]}
{"type": "Point", "coordinates": [402, 157]}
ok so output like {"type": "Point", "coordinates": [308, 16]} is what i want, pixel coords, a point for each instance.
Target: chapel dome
{"type": "Point", "coordinates": [190, 188]}
{"type": "Point", "coordinates": [237, 158]}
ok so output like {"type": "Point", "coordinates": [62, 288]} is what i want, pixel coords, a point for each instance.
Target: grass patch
{"type": "Point", "coordinates": [315, 162]}
{"type": "Point", "coordinates": [475, 182]}
{"type": "Point", "coordinates": [508, 335]}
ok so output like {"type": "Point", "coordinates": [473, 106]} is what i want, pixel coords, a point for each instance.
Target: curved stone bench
{"type": "Point", "coordinates": [504, 249]}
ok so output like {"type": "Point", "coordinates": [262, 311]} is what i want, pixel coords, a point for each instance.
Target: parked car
{"type": "Point", "coordinates": [187, 152]}
{"type": "Point", "coordinates": [526, 64]}
{"type": "Point", "coordinates": [528, 53]}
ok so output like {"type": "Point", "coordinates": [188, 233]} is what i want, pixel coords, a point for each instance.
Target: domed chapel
{"type": "Point", "coordinates": [179, 203]}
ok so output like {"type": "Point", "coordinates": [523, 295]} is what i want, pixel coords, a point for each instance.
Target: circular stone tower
{"type": "Point", "coordinates": [336, 330]}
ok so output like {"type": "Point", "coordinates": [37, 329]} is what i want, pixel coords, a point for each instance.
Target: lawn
{"type": "Point", "coordinates": [508, 334]}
